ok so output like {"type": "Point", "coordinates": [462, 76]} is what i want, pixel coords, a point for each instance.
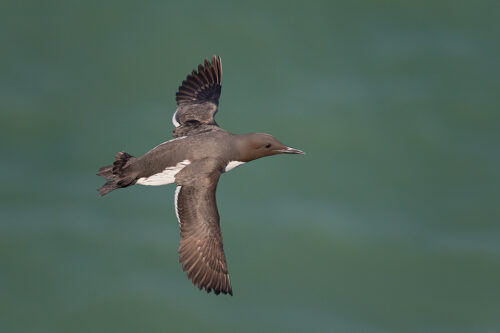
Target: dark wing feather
{"type": "Point", "coordinates": [198, 96]}
{"type": "Point", "coordinates": [201, 250]}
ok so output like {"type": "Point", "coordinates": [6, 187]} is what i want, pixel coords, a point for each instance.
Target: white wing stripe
{"type": "Point", "coordinates": [177, 190]}
{"type": "Point", "coordinates": [174, 121]}
{"type": "Point", "coordinates": [161, 144]}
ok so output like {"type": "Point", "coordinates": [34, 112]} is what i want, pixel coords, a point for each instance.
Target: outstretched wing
{"type": "Point", "coordinates": [201, 251]}
{"type": "Point", "coordinates": [198, 96]}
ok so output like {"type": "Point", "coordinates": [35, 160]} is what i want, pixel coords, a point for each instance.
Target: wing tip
{"type": "Point", "coordinates": [210, 281]}
{"type": "Point", "coordinates": [207, 76]}
{"type": "Point", "coordinates": [217, 292]}
{"type": "Point", "coordinates": [216, 286]}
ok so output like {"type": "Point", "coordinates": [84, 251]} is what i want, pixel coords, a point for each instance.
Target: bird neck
{"type": "Point", "coordinates": [242, 148]}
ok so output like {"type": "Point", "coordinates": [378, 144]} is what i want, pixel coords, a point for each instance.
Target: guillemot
{"type": "Point", "coordinates": [195, 159]}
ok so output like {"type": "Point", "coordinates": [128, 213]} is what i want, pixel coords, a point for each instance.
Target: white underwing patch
{"type": "Point", "coordinates": [167, 176]}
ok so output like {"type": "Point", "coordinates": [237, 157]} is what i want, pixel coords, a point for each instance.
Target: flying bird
{"type": "Point", "coordinates": [198, 155]}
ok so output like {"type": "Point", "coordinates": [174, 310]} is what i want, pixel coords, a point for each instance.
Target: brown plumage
{"type": "Point", "coordinates": [201, 251]}
{"type": "Point", "coordinates": [198, 96]}
{"type": "Point", "coordinates": [195, 160]}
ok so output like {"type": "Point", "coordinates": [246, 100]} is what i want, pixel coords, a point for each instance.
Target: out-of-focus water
{"type": "Point", "coordinates": [390, 223]}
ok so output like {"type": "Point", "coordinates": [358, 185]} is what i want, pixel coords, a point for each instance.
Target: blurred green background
{"type": "Point", "coordinates": [390, 223]}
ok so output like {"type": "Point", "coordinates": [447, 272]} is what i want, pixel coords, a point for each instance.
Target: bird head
{"type": "Point", "coordinates": [256, 145]}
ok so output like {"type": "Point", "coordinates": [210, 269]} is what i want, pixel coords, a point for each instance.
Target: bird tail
{"type": "Point", "coordinates": [116, 174]}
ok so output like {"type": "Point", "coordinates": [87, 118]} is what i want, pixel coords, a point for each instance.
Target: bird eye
{"type": "Point", "coordinates": [268, 145]}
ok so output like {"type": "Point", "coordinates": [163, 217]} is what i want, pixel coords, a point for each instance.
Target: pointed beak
{"type": "Point", "coordinates": [290, 150]}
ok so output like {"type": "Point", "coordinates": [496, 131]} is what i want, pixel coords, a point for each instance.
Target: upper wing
{"type": "Point", "coordinates": [198, 96]}
{"type": "Point", "coordinates": [201, 251]}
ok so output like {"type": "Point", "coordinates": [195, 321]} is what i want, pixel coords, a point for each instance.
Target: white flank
{"type": "Point", "coordinates": [232, 164]}
{"type": "Point", "coordinates": [177, 190]}
{"type": "Point", "coordinates": [174, 121]}
{"type": "Point", "coordinates": [165, 177]}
